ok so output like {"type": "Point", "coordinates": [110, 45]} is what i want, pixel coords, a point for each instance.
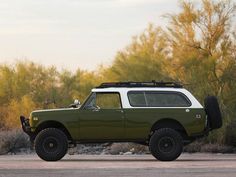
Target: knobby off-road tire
{"type": "Point", "coordinates": [166, 144]}
{"type": "Point", "coordinates": [213, 112]}
{"type": "Point", "coordinates": [51, 144]}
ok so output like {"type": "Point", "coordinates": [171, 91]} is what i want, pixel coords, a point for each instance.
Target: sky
{"type": "Point", "coordinates": [73, 34]}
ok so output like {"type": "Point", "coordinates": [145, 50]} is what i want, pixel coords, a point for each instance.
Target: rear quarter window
{"type": "Point", "coordinates": [158, 99]}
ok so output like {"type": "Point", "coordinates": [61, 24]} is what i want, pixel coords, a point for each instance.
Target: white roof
{"type": "Point", "coordinates": [118, 89]}
{"type": "Point", "coordinates": [124, 90]}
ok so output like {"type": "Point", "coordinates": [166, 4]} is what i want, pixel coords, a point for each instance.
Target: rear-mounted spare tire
{"type": "Point", "coordinates": [213, 112]}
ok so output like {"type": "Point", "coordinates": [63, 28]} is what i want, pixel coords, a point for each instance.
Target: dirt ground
{"type": "Point", "coordinates": [204, 165]}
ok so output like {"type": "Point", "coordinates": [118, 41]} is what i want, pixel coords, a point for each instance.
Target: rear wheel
{"type": "Point", "coordinates": [51, 144]}
{"type": "Point", "coordinates": [166, 144]}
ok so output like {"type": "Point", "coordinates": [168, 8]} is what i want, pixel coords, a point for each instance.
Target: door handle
{"type": "Point", "coordinates": [95, 110]}
{"type": "Point", "coordinates": [120, 111]}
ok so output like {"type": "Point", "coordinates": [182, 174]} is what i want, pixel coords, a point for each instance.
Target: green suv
{"type": "Point", "coordinates": [162, 115]}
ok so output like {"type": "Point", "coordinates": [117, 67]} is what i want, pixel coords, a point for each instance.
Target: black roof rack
{"type": "Point", "coordinates": [140, 84]}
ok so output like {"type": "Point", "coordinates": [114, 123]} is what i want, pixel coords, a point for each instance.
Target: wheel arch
{"type": "Point", "coordinates": [53, 124]}
{"type": "Point", "coordinates": [169, 123]}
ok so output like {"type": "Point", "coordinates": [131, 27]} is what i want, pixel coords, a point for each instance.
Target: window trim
{"type": "Point", "coordinates": [163, 92]}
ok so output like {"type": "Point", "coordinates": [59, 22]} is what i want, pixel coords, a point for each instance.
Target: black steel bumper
{"type": "Point", "coordinates": [25, 125]}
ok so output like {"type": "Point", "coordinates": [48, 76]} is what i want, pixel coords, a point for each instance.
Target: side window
{"type": "Point", "coordinates": [157, 99]}
{"type": "Point", "coordinates": [137, 99]}
{"type": "Point", "coordinates": [91, 102]}
{"type": "Point", "coordinates": [166, 99]}
{"type": "Point", "coordinates": [108, 100]}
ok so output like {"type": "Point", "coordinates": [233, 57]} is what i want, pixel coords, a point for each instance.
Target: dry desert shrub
{"type": "Point", "coordinates": [13, 141]}
{"type": "Point", "coordinates": [199, 146]}
{"type": "Point", "coordinates": [217, 148]}
{"type": "Point", "coordinates": [120, 148]}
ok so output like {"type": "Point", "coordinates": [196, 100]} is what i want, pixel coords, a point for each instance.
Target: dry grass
{"type": "Point", "coordinates": [210, 148]}
{"type": "Point", "coordinates": [120, 148]}
{"type": "Point", "coordinates": [13, 141]}
{"type": "Point", "coordinates": [16, 141]}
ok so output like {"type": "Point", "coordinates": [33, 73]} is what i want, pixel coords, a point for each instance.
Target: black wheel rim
{"type": "Point", "coordinates": [166, 144]}
{"type": "Point", "coordinates": [50, 145]}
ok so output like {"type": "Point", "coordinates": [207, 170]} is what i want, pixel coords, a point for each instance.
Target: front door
{"type": "Point", "coordinates": [102, 118]}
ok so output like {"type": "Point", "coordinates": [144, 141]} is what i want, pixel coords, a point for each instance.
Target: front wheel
{"type": "Point", "coordinates": [166, 144]}
{"type": "Point", "coordinates": [51, 144]}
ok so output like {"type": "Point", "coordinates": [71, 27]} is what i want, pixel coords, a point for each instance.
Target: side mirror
{"type": "Point", "coordinates": [75, 104]}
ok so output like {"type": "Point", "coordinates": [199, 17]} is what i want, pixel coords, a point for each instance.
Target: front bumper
{"type": "Point", "coordinates": [26, 126]}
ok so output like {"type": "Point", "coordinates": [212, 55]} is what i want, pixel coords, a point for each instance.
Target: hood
{"type": "Point", "coordinates": [38, 112]}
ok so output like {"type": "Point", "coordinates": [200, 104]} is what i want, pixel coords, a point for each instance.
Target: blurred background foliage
{"type": "Point", "coordinates": [197, 48]}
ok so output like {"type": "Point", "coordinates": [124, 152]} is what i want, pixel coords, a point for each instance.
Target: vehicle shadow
{"type": "Point", "coordinates": [108, 160]}
{"type": "Point", "coordinates": [202, 160]}
{"type": "Point", "coordinates": [145, 160]}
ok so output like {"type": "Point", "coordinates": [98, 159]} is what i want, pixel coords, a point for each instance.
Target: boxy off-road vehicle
{"type": "Point", "coordinates": [162, 115]}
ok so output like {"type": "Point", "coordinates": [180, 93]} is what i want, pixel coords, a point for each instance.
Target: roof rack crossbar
{"type": "Point", "coordinates": [140, 84]}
